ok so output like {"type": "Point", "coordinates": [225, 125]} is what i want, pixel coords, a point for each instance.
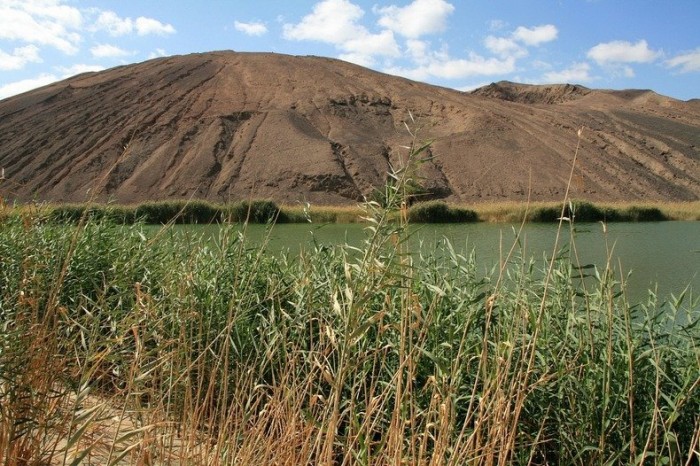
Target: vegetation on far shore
{"type": "Point", "coordinates": [264, 211]}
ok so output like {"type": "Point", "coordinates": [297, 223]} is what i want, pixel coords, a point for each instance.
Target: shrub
{"type": "Point", "coordinates": [439, 212]}
{"type": "Point", "coordinates": [257, 211]}
{"type": "Point", "coordinates": [584, 211]}
{"type": "Point", "coordinates": [643, 214]}
{"type": "Point", "coordinates": [545, 213]}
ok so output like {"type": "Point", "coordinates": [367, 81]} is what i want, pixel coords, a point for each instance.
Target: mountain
{"type": "Point", "coordinates": [226, 125]}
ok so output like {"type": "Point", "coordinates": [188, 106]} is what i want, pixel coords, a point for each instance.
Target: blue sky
{"type": "Point", "coordinates": [613, 44]}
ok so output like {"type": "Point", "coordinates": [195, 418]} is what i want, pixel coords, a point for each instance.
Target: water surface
{"type": "Point", "coordinates": [661, 256]}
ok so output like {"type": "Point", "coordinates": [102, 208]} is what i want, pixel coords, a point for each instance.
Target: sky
{"type": "Point", "coordinates": [610, 44]}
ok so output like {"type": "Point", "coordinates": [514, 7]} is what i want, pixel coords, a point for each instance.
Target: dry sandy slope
{"type": "Point", "coordinates": [227, 125]}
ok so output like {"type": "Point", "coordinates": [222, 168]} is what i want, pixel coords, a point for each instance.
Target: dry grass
{"type": "Point", "coordinates": [323, 214]}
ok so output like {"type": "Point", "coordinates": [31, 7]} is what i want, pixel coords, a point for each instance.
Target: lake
{"type": "Point", "coordinates": [662, 256]}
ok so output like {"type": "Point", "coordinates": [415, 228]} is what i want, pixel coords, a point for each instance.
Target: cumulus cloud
{"type": "Point", "coordinates": [619, 51]}
{"type": "Point", "coordinates": [117, 26]}
{"type": "Point", "coordinates": [416, 19]}
{"type": "Point", "coordinates": [504, 47]}
{"type": "Point", "coordinates": [41, 22]}
{"type": "Point", "coordinates": [336, 22]}
{"type": "Point", "coordinates": [146, 26]}
{"type": "Point", "coordinates": [513, 46]}
{"type": "Point", "coordinates": [496, 25]}
{"type": "Point", "coordinates": [627, 72]}
{"type": "Point", "coordinates": [456, 68]}
{"type": "Point", "coordinates": [251, 29]}
{"type": "Point", "coordinates": [362, 52]}
{"type": "Point", "coordinates": [68, 71]}
{"type": "Point", "coordinates": [111, 22]}
{"type": "Point", "coordinates": [475, 65]}
{"type": "Point", "coordinates": [471, 87]}
{"type": "Point", "coordinates": [19, 57]}
{"type": "Point", "coordinates": [536, 35]}
{"type": "Point", "coordinates": [24, 85]}
{"type": "Point", "coordinates": [157, 53]}
{"type": "Point", "coordinates": [67, 15]}
{"type": "Point", "coordinates": [686, 62]}
{"type": "Point", "coordinates": [331, 21]}
{"type": "Point", "coordinates": [108, 51]}
{"type": "Point", "coordinates": [576, 73]}
{"type": "Point", "coordinates": [43, 79]}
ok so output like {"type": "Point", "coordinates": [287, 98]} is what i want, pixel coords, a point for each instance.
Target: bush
{"type": "Point", "coordinates": [643, 214]}
{"type": "Point", "coordinates": [258, 211]}
{"type": "Point", "coordinates": [579, 211]}
{"type": "Point", "coordinates": [544, 214]}
{"type": "Point", "coordinates": [72, 213]}
{"type": "Point", "coordinates": [585, 212]}
{"type": "Point", "coordinates": [439, 212]}
{"type": "Point", "coordinates": [200, 212]}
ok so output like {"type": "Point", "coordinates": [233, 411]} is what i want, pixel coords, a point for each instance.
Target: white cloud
{"type": "Point", "coordinates": [416, 19]}
{"type": "Point", "coordinates": [331, 21]}
{"type": "Point", "coordinates": [361, 59]}
{"type": "Point", "coordinates": [504, 47]}
{"type": "Point", "coordinates": [497, 25]}
{"type": "Point", "coordinates": [67, 15]}
{"type": "Point", "coordinates": [111, 22]}
{"type": "Point", "coordinates": [19, 57]}
{"type": "Point", "coordinates": [157, 53]}
{"type": "Point", "coordinates": [456, 68]}
{"type": "Point", "coordinates": [41, 22]}
{"type": "Point", "coordinates": [252, 29]}
{"type": "Point", "coordinates": [116, 26]}
{"type": "Point", "coordinates": [687, 62]}
{"type": "Point", "coordinates": [536, 35]}
{"type": "Point", "coordinates": [382, 43]}
{"type": "Point", "coordinates": [25, 85]}
{"type": "Point", "coordinates": [576, 73]}
{"type": "Point", "coordinates": [514, 45]}
{"type": "Point", "coordinates": [471, 87]}
{"type": "Point", "coordinates": [79, 68]}
{"type": "Point", "coordinates": [419, 50]}
{"type": "Point", "coordinates": [146, 26]}
{"type": "Point", "coordinates": [108, 51]}
{"type": "Point", "coordinates": [476, 65]}
{"type": "Point", "coordinates": [628, 72]}
{"type": "Point", "coordinates": [336, 22]}
{"type": "Point", "coordinates": [622, 52]}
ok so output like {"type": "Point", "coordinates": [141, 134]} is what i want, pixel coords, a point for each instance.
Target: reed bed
{"type": "Point", "coordinates": [516, 212]}
{"type": "Point", "coordinates": [264, 211]}
{"type": "Point", "coordinates": [121, 347]}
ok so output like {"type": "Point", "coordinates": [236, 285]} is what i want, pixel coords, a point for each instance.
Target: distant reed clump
{"type": "Point", "coordinates": [585, 211]}
{"type": "Point", "coordinates": [439, 212]}
{"type": "Point", "coordinates": [164, 212]}
{"type": "Point", "coordinates": [265, 211]}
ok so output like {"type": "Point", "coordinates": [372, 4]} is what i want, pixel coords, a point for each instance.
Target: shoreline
{"type": "Point", "coordinates": [263, 211]}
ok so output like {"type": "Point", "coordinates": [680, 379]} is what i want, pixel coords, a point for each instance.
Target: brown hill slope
{"type": "Point", "coordinates": [227, 125]}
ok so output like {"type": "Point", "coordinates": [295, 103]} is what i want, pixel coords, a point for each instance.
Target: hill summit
{"type": "Point", "coordinates": [226, 126]}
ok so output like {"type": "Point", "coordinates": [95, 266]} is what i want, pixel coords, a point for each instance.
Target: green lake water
{"type": "Point", "coordinates": [661, 256]}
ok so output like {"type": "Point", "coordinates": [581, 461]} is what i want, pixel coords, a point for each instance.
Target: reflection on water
{"type": "Point", "coordinates": [664, 256]}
